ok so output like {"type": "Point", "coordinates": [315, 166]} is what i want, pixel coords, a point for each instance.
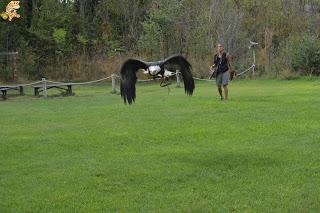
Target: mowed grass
{"type": "Point", "coordinates": [257, 152]}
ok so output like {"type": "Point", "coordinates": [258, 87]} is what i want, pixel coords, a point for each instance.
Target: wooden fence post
{"type": "Point", "coordinates": [113, 78]}
{"type": "Point", "coordinates": [178, 78]}
{"type": "Point", "coordinates": [44, 88]}
{"type": "Point", "coordinates": [21, 90]}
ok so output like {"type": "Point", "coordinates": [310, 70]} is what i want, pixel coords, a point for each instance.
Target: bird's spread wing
{"type": "Point", "coordinates": [129, 79]}
{"type": "Point", "coordinates": [178, 62]}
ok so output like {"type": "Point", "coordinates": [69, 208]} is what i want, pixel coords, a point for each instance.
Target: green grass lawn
{"type": "Point", "coordinates": [257, 152]}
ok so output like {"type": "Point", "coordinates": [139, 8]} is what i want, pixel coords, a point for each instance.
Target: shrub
{"type": "Point", "coordinates": [304, 54]}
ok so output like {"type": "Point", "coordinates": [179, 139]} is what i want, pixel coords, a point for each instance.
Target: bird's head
{"type": "Point", "coordinates": [154, 70]}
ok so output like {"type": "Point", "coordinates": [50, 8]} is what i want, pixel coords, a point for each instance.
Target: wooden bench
{"type": "Point", "coordinates": [4, 90]}
{"type": "Point", "coordinates": [64, 86]}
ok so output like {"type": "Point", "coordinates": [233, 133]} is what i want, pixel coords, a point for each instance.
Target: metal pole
{"type": "Point", "coordinates": [254, 60]}
{"type": "Point", "coordinates": [44, 88]}
{"type": "Point", "coordinates": [178, 78]}
{"type": "Point", "coordinates": [113, 77]}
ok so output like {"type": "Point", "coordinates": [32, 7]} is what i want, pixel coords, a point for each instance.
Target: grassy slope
{"type": "Point", "coordinates": [257, 152]}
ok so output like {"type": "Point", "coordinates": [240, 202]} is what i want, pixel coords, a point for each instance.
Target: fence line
{"type": "Point", "coordinates": [113, 76]}
{"type": "Point", "coordinates": [82, 83]}
{"type": "Point", "coordinates": [30, 84]}
{"type": "Point", "coordinates": [148, 80]}
{"type": "Point", "coordinates": [252, 67]}
{"type": "Point", "coordinates": [45, 84]}
{"type": "Point", "coordinates": [203, 79]}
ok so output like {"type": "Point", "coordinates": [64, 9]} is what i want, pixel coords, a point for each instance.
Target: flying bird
{"type": "Point", "coordinates": [156, 69]}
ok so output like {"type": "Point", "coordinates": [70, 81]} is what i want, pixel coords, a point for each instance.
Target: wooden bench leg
{"type": "Point", "coordinates": [36, 91]}
{"type": "Point", "coordinates": [4, 94]}
{"type": "Point", "coordinates": [21, 90]}
{"type": "Point", "coordinates": [69, 90]}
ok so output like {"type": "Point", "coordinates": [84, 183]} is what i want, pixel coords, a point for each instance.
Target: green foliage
{"type": "Point", "coordinates": [304, 53]}
{"type": "Point", "coordinates": [159, 29]}
{"type": "Point", "coordinates": [6, 73]}
{"type": "Point", "coordinates": [59, 36]}
{"type": "Point", "coordinates": [82, 39]}
{"type": "Point", "coordinates": [149, 40]}
{"type": "Point", "coordinates": [59, 31]}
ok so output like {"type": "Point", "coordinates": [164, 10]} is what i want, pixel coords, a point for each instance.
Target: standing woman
{"type": "Point", "coordinates": [222, 65]}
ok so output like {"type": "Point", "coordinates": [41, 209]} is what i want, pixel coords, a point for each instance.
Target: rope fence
{"type": "Point", "coordinates": [45, 84]}
{"type": "Point", "coordinates": [252, 67]}
{"type": "Point", "coordinates": [203, 79]}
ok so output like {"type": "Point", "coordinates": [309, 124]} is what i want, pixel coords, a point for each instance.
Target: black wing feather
{"type": "Point", "coordinates": [185, 68]}
{"type": "Point", "coordinates": [128, 79]}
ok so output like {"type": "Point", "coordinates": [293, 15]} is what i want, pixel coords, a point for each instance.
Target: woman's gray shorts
{"type": "Point", "coordinates": [223, 79]}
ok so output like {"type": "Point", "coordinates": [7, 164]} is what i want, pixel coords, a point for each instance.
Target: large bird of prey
{"type": "Point", "coordinates": [155, 69]}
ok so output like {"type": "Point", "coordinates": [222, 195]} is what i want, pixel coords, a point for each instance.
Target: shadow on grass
{"type": "Point", "coordinates": [227, 161]}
